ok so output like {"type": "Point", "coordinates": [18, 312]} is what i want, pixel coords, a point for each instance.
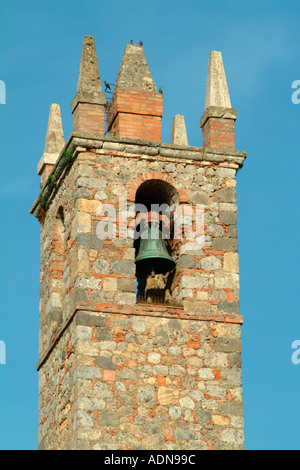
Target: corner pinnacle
{"type": "Point", "coordinates": [216, 86]}
{"type": "Point", "coordinates": [54, 141]}
{"type": "Point", "coordinates": [89, 88]}
{"type": "Point", "coordinates": [179, 136]}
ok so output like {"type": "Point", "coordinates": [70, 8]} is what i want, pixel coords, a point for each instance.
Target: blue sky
{"type": "Point", "coordinates": [259, 40]}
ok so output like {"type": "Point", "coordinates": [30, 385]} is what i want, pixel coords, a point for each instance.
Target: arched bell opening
{"type": "Point", "coordinates": [57, 269]}
{"type": "Point", "coordinates": [154, 248]}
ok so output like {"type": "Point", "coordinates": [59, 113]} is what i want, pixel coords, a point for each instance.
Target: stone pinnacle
{"type": "Point", "coordinates": [54, 141]}
{"type": "Point", "coordinates": [55, 136]}
{"type": "Point", "coordinates": [216, 86]}
{"type": "Point", "coordinates": [179, 136]}
{"type": "Point", "coordinates": [89, 88]}
{"type": "Point", "coordinates": [134, 73]}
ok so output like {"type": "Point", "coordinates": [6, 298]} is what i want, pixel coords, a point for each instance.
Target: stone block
{"type": "Point", "coordinates": [196, 306]}
{"type": "Point", "coordinates": [83, 263]}
{"type": "Point", "coordinates": [195, 282]}
{"type": "Point", "coordinates": [229, 307]}
{"type": "Point", "coordinates": [90, 319]}
{"type": "Point", "coordinates": [127, 285]}
{"type": "Point", "coordinates": [203, 416]}
{"type": "Point", "coordinates": [220, 420]}
{"type": "Point", "coordinates": [215, 230]}
{"type": "Point", "coordinates": [187, 403]}
{"type": "Point", "coordinates": [84, 223]}
{"type": "Point", "coordinates": [232, 377]}
{"type": "Point", "coordinates": [186, 261]}
{"type": "Point", "coordinates": [105, 363]}
{"type": "Point", "coordinates": [167, 396]}
{"type": "Point", "coordinates": [89, 241]}
{"type": "Point", "coordinates": [107, 419]}
{"type": "Point", "coordinates": [80, 296]}
{"type": "Point", "coordinates": [232, 231]}
{"type": "Point", "coordinates": [232, 436]}
{"type": "Point", "coordinates": [175, 412]}
{"type": "Point", "coordinates": [123, 267]}
{"type": "Point", "coordinates": [93, 183]}
{"type": "Point", "coordinates": [228, 217]}
{"type": "Point", "coordinates": [231, 408]}
{"type": "Point", "coordinates": [101, 266]}
{"type": "Point", "coordinates": [231, 262]}
{"type": "Point", "coordinates": [206, 373]}
{"type": "Point", "coordinates": [87, 347]}
{"type": "Point", "coordinates": [88, 205]}
{"type": "Point", "coordinates": [199, 197]}
{"type": "Point", "coordinates": [225, 195]}
{"type": "Point", "coordinates": [225, 244]}
{"type": "Point", "coordinates": [227, 345]}
{"type": "Point", "coordinates": [103, 334]}
{"type": "Point", "coordinates": [110, 284]}
{"type": "Point", "coordinates": [216, 391]}
{"type": "Point", "coordinates": [211, 263]}
{"type": "Point", "coordinates": [146, 395]}
{"type": "Point", "coordinates": [226, 281]}
{"type": "Point", "coordinates": [154, 358]}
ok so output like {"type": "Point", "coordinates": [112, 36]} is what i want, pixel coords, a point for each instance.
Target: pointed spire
{"type": "Point", "coordinates": [134, 73]}
{"type": "Point", "coordinates": [136, 107]}
{"type": "Point", "coordinates": [217, 121]}
{"type": "Point", "coordinates": [89, 88]}
{"type": "Point", "coordinates": [179, 136]}
{"type": "Point", "coordinates": [216, 86]}
{"type": "Point", "coordinates": [54, 141]}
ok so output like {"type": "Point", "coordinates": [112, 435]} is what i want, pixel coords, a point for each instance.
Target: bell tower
{"type": "Point", "coordinates": [140, 341]}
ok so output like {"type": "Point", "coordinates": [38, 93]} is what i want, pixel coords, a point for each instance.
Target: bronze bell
{"type": "Point", "coordinates": [153, 256]}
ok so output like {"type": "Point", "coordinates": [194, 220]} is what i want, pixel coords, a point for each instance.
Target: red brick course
{"type": "Point", "coordinates": [219, 133]}
{"type": "Point", "coordinates": [136, 115]}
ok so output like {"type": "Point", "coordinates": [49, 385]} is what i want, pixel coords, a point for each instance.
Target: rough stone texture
{"type": "Point", "coordinates": [217, 121]}
{"type": "Point", "coordinates": [147, 371]}
{"type": "Point", "coordinates": [134, 73]}
{"type": "Point", "coordinates": [116, 373]}
{"type": "Point", "coordinates": [216, 87]}
{"type": "Point", "coordinates": [135, 109]}
{"type": "Point", "coordinates": [54, 143]}
{"type": "Point", "coordinates": [89, 88]}
{"type": "Point", "coordinates": [149, 387]}
{"type": "Point", "coordinates": [88, 104]}
{"type": "Point", "coordinates": [179, 136]}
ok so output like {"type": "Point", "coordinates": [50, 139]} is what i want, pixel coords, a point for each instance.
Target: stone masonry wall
{"type": "Point", "coordinates": [116, 374]}
{"type": "Point", "coordinates": [142, 382]}
{"type": "Point", "coordinates": [152, 383]}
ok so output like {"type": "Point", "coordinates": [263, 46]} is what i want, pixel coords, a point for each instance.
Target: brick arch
{"type": "Point", "coordinates": [155, 175]}
{"type": "Point", "coordinates": [58, 242]}
{"type": "Point", "coordinates": [60, 205]}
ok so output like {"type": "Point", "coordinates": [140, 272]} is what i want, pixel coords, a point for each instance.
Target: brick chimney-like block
{"type": "Point", "coordinates": [89, 117]}
{"type": "Point", "coordinates": [135, 114]}
{"type": "Point", "coordinates": [218, 128]}
{"type": "Point", "coordinates": [136, 107]}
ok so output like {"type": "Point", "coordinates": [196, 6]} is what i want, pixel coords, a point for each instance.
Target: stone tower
{"type": "Point", "coordinates": [132, 357]}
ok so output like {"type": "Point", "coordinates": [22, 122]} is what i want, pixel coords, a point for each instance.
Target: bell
{"type": "Point", "coordinates": [153, 256]}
